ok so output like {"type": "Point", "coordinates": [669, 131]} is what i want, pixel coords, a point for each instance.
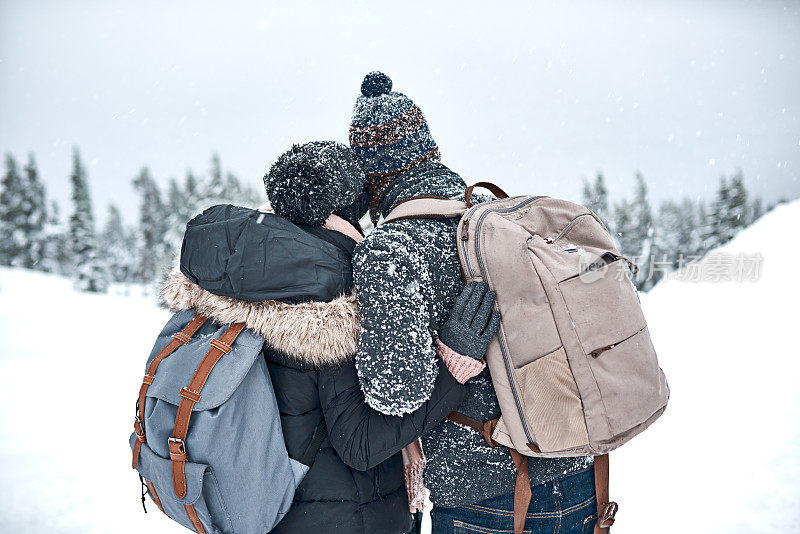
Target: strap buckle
{"type": "Point", "coordinates": [177, 449]}
{"type": "Point", "coordinates": [606, 518]}
{"type": "Point", "coordinates": [138, 429]}
{"type": "Point", "coordinates": [183, 338]}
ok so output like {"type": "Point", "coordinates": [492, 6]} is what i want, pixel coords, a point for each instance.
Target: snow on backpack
{"type": "Point", "coordinates": [573, 365]}
{"type": "Point", "coordinates": [207, 439]}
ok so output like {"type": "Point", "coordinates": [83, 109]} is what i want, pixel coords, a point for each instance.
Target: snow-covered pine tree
{"type": "Point", "coordinates": [12, 215]}
{"type": "Point", "coordinates": [89, 274]}
{"type": "Point", "coordinates": [643, 236]}
{"type": "Point", "coordinates": [179, 211]}
{"type": "Point", "coordinates": [717, 231]}
{"type": "Point", "coordinates": [705, 230]}
{"type": "Point", "coordinates": [676, 233]}
{"type": "Point", "coordinates": [756, 210]}
{"type": "Point", "coordinates": [669, 244]}
{"type": "Point", "coordinates": [214, 191]}
{"type": "Point", "coordinates": [623, 227]}
{"type": "Point", "coordinates": [56, 253]}
{"type": "Point", "coordinates": [601, 198]}
{"type": "Point", "coordinates": [118, 248]}
{"type": "Point", "coordinates": [244, 195]}
{"type": "Point", "coordinates": [233, 189]}
{"type": "Point", "coordinates": [737, 205]}
{"type": "Point", "coordinates": [153, 251]}
{"type": "Point", "coordinates": [587, 195]}
{"type": "Point", "coordinates": [225, 190]}
{"type": "Point", "coordinates": [192, 193]}
{"type": "Point", "coordinates": [595, 197]}
{"type": "Point", "coordinates": [35, 216]}
{"type": "Point", "coordinates": [689, 231]}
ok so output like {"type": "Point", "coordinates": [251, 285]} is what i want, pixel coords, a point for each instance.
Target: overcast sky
{"type": "Point", "coordinates": [533, 96]}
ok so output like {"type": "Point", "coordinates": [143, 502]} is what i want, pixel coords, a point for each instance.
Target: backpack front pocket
{"type": "Point", "coordinates": [552, 400]}
{"type": "Point", "coordinates": [608, 320]}
{"type": "Point", "coordinates": [603, 306]}
{"type": "Point", "coordinates": [203, 497]}
{"type": "Point", "coordinates": [627, 374]}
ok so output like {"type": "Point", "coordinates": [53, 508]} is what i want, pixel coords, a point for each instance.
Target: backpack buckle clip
{"type": "Point", "coordinates": [138, 429]}
{"type": "Point", "coordinates": [177, 449]}
{"type": "Point", "coordinates": [609, 510]}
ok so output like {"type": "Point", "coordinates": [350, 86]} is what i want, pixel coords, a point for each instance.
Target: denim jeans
{"type": "Point", "coordinates": [564, 506]}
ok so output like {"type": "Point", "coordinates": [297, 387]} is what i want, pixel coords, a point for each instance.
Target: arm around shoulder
{"type": "Point", "coordinates": [364, 437]}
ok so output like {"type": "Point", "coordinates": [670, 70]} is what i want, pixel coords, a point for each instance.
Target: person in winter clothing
{"type": "Point", "coordinates": [292, 283]}
{"type": "Point", "coordinates": [407, 277]}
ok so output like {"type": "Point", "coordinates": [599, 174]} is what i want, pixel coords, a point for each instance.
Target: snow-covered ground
{"type": "Point", "coordinates": [725, 457]}
{"type": "Point", "coordinates": [70, 369]}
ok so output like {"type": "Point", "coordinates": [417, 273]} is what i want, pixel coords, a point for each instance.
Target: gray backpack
{"type": "Point", "coordinates": [573, 366]}
{"type": "Point", "coordinates": [207, 439]}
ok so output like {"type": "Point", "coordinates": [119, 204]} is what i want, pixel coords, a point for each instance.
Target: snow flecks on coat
{"type": "Point", "coordinates": [407, 276]}
{"type": "Point", "coordinates": [390, 279]}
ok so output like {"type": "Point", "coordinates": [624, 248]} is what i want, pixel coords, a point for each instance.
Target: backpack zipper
{"type": "Point", "coordinates": [597, 352]}
{"type": "Point", "coordinates": [608, 258]}
{"type": "Point", "coordinates": [503, 349]}
{"type": "Point", "coordinates": [566, 229]}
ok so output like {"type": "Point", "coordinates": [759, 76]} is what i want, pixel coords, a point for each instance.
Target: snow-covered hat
{"type": "Point", "coordinates": [309, 182]}
{"type": "Point", "coordinates": [388, 133]}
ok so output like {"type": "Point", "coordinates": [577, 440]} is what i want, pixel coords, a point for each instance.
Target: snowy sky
{"type": "Point", "coordinates": [533, 96]}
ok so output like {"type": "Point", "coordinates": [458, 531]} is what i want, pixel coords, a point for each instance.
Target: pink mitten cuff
{"type": "Point", "coordinates": [461, 367]}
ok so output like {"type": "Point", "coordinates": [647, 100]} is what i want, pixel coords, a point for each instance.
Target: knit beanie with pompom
{"type": "Point", "coordinates": [388, 134]}
{"type": "Point", "coordinates": [309, 182]}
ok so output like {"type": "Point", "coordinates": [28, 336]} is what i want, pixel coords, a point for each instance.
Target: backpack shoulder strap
{"type": "Point", "coordinates": [432, 207]}
{"type": "Point", "coordinates": [426, 207]}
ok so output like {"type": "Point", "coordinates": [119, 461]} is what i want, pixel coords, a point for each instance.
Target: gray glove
{"type": "Point", "coordinates": [472, 322]}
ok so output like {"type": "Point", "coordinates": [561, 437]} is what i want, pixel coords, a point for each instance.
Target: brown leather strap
{"type": "Point", "coordinates": [152, 489]}
{"type": "Point", "coordinates": [496, 191]}
{"type": "Point", "coordinates": [606, 510]}
{"type": "Point", "coordinates": [192, 513]}
{"type": "Point", "coordinates": [190, 395]}
{"type": "Point", "coordinates": [461, 419]}
{"type": "Point", "coordinates": [178, 339]}
{"type": "Point", "coordinates": [485, 429]}
{"type": "Point", "coordinates": [522, 486]}
{"type": "Point", "coordinates": [522, 490]}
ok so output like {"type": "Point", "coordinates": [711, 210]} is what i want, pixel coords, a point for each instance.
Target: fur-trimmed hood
{"type": "Point", "coordinates": [316, 333]}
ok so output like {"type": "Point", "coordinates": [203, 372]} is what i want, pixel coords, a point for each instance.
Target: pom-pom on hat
{"type": "Point", "coordinates": [309, 182]}
{"type": "Point", "coordinates": [376, 83]}
{"type": "Point", "coordinates": [388, 134]}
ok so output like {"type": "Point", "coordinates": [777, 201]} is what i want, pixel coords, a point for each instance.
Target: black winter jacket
{"type": "Point", "coordinates": [407, 275]}
{"type": "Point", "coordinates": [355, 483]}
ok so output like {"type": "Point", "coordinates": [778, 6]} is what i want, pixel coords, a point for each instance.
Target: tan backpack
{"type": "Point", "coordinates": [573, 366]}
